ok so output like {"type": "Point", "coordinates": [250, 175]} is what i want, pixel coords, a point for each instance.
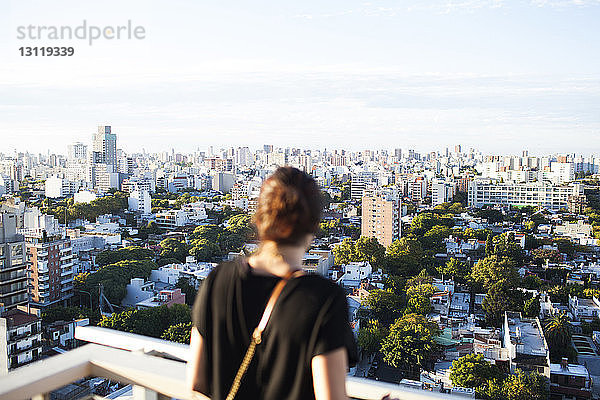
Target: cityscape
{"type": "Point", "coordinates": [467, 274]}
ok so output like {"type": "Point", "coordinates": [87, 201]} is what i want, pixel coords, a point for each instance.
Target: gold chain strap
{"type": "Point", "coordinates": [243, 368]}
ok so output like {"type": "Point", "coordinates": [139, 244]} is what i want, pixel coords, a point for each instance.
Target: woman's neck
{"type": "Point", "coordinates": [277, 259]}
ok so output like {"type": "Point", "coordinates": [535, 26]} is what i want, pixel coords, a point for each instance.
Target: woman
{"type": "Point", "coordinates": [307, 342]}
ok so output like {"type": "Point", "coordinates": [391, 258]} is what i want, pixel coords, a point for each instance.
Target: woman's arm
{"type": "Point", "coordinates": [196, 366]}
{"type": "Point", "coordinates": [329, 375]}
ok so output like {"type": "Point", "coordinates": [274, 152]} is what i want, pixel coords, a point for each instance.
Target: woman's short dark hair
{"type": "Point", "coordinates": [289, 206]}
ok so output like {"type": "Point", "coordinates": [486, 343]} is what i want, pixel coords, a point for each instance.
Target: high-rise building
{"type": "Point", "coordinates": [105, 145]}
{"type": "Point", "coordinates": [442, 191]}
{"type": "Point", "coordinates": [20, 339]}
{"type": "Point", "coordinates": [77, 151]}
{"type": "Point", "coordinates": [13, 266]}
{"type": "Point", "coordinates": [381, 213]}
{"type": "Point", "coordinates": [49, 259]}
{"type": "Point", "coordinates": [398, 154]}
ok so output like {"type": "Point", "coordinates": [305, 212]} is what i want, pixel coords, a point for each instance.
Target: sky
{"type": "Point", "coordinates": [499, 76]}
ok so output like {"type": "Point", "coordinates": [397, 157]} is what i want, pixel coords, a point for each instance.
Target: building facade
{"type": "Point", "coordinates": [381, 218]}
{"type": "Point", "coordinates": [50, 268]}
{"type": "Point", "coordinates": [20, 339]}
{"type": "Point", "coordinates": [536, 194]}
{"type": "Point", "coordinates": [13, 265]}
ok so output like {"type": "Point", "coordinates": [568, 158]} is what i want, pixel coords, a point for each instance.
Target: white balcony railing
{"type": "Point", "coordinates": [131, 359]}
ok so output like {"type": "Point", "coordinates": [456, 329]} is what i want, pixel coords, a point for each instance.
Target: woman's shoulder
{"type": "Point", "coordinates": [228, 270]}
{"type": "Point", "coordinates": [321, 286]}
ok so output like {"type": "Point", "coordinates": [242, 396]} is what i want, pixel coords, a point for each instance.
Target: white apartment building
{"type": "Point", "coordinates": [59, 187]}
{"type": "Point", "coordinates": [196, 212]}
{"type": "Point", "coordinates": [489, 192]}
{"type": "Point", "coordinates": [171, 219]}
{"type": "Point", "coordinates": [140, 201]}
{"type": "Point", "coordinates": [442, 191]}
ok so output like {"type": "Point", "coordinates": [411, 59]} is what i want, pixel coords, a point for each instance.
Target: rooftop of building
{"type": "Point", "coordinates": [16, 317]}
{"type": "Point", "coordinates": [526, 333]}
{"type": "Point", "coordinates": [569, 369]}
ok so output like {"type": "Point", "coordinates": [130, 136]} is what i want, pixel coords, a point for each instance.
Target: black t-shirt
{"type": "Point", "coordinates": [310, 318]}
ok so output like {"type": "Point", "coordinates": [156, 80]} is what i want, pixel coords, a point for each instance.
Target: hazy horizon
{"type": "Point", "coordinates": [498, 76]}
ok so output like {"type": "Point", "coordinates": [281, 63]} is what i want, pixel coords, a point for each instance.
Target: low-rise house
{"type": "Point", "coordinates": [527, 348]}
{"type": "Point", "coordinates": [440, 301]}
{"type": "Point", "coordinates": [353, 273]}
{"type": "Point", "coordinates": [459, 306]}
{"type": "Point", "coordinates": [584, 309]}
{"type": "Point", "coordinates": [194, 272]}
{"type": "Point", "coordinates": [569, 381]}
{"type": "Point", "coordinates": [62, 333]}
{"type": "Point", "coordinates": [166, 297]}
{"type": "Point", "coordinates": [138, 290]}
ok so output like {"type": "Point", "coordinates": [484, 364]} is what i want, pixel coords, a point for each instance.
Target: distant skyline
{"type": "Point", "coordinates": [498, 76]}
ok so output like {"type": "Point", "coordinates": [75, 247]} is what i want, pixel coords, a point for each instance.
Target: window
{"type": "Point", "coordinates": [16, 251]}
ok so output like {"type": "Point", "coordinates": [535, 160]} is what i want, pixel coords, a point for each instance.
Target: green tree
{"type": "Point", "coordinates": [565, 246]}
{"type": "Point", "coordinates": [532, 307]}
{"type": "Point", "coordinates": [456, 269]}
{"type": "Point", "coordinates": [241, 224]}
{"type": "Point", "coordinates": [558, 330]}
{"type": "Point", "coordinates": [207, 232]}
{"type": "Point", "coordinates": [473, 371]}
{"type": "Point", "coordinates": [419, 299]}
{"type": "Point", "coordinates": [505, 246]}
{"type": "Point", "coordinates": [364, 249]}
{"type": "Point", "coordinates": [491, 215]}
{"type": "Point", "coordinates": [344, 253]}
{"type": "Point", "coordinates": [205, 250]}
{"type": "Point", "coordinates": [492, 390]}
{"type": "Point", "coordinates": [180, 333]}
{"type": "Point", "coordinates": [494, 269]}
{"type": "Point", "coordinates": [59, 313]}
{"type": "Point", "coordinates": [149, 322]}
{"type": "Point", "coordinates": [403, 257]}
{"type": "Point", "coordinates": [540, 256]}
{"type": "Point", "coordinates": [497, 301]}
{"type": "Point", "coordinates": [369, 249]}
{"type": "Point", "coordinates": [489, 246]}
{"type": "Point", "coordinates": [107, 257]}
{"type": "Point", "coordinates": [525, 386]}
{"type": "Point", "coordinates": [115, 278]}
{"type": "Point", "coordinates": [433, 239]}
{"type": "Point", "coordinates": [174, 248]}
{"type": "Point", "coordinates": [421, 278]}
{"type": "Point", "coordinates": [370, 336]}
{"type": "Point", "coordinates": [384, 304]}
{"type": "Point", "coordinates": [165, 261]}
{"type": "Point", "coordinates": [187, 289]}
{"type": "Point", "coordinates": [411, 342]}
{"type": "Point", "coordinates": [425, 221]}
